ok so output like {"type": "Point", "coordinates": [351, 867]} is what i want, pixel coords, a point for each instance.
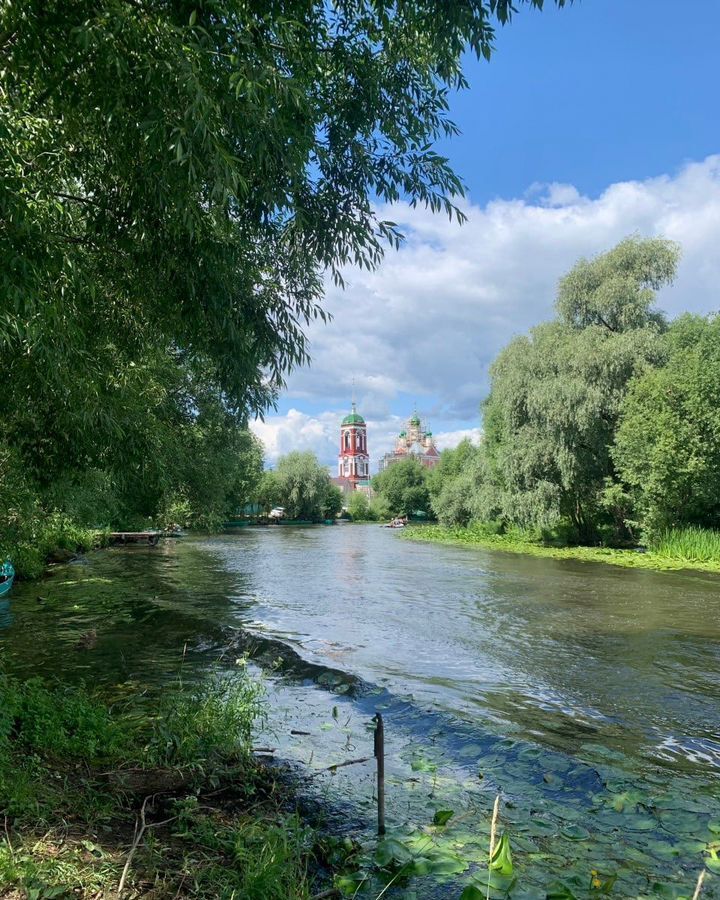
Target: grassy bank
{"type": "Point", "coordinates": [46, 539]}
{"type": "Point", "coordinates": [105, 800]}
{"type": "Point", "coordinates": [690, 548]}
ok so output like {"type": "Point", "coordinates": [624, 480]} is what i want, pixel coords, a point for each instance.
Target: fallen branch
{"type": "Point", "coordinates": [349, 762]}
{"type": "Point", "coordinates": [141, 826]}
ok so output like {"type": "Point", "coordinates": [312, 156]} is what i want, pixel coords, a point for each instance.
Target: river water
{"type": "Point", "coordinates": [586, 695]}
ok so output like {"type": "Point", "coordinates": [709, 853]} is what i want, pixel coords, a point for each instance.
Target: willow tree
{"type": "Point", "coordinates": [183, 173]}
{"type": "Point", "coordinates": [556, 395]}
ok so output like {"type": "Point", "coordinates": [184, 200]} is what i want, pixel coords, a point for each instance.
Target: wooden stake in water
{"type": "Point", "coordinates": [380, 759]}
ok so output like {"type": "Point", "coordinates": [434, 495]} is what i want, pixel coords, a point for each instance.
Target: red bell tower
{"type": "Point", "coordinates": [353, 459]}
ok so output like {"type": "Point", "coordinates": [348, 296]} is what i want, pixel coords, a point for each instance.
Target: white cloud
{"type": "Point", "coordinates": [447, 439]}
{"type": "Point", "coordinates": [428, 323]}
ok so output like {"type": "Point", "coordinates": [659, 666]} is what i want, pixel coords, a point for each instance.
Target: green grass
{"type": "Point", "coordinates": [676, 549]}
{"type": "Point", "coordinates": [78, 775]}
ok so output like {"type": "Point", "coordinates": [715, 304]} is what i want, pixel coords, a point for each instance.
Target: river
{"type": "Point", "coordinates": [586, 695]}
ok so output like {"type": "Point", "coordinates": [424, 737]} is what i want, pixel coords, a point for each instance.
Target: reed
{"type": "Point", "coordinates": [691, 543]}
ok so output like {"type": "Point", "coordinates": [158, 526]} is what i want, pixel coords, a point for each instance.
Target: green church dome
{"type": "Point", "coordinates": [354, 418]}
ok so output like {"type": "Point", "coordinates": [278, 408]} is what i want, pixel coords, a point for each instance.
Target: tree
{"type": "Point", "coordinates": [667, 448]}
{"type": "Point", "coordinates": [359, 507]}
{"type": "Point", "coordinates": [175, 181]}
{"type": "Point", "coordinates": [182, 174]}
{"type": "Point", "coordinates": [556, 395]}
{"type": "Point", "coordinates": [303, 487]}
{"type": "Point", "coordinates": [453, 462]}
{"type": "Point", "coordinates": [402, 487]}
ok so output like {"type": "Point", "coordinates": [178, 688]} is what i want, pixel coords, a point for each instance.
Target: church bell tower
{"type": "Point", "coordinates": [353, 459]}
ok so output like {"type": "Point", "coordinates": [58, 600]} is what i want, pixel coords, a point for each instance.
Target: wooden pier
{"type": "Point", "coordinates": [135, 537]}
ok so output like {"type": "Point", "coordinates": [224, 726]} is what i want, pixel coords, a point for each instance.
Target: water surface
{"type": "Point", "coordinates": [586, 694]}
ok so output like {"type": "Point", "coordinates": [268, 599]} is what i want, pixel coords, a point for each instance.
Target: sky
{"type": "Point", "coordinates": [589, 123]}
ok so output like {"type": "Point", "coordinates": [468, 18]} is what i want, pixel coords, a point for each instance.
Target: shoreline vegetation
{"type": "Point", "coordinates": [107, 797]}
{"type": "Point", "coordinates": [697, 549]}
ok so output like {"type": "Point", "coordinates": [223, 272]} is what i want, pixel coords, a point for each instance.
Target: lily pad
{"type": "Point", "coordinates": [575, 832]}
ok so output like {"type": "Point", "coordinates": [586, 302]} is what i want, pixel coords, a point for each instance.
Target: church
{"type": "Point", "coordinates": [353, 459]}
{"type": "Point", "coordinates": [353, 471]}
{"type": "Point", "coordinates": [414, 442]}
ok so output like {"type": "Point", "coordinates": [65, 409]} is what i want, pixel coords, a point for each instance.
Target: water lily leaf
{"type": "Point", "coordinates": [575, 832]}
{"type": "Point", "coordinates": [502, 858]}
{"type": "Point", "coordinates": [641, 823]}
{"type": "Point", "coordinates": [390, 851]}
{"type": "Point", "coordinates": [420, 764]}
{"type": "Point", "coordinates": [500, 882]}
{"type": "Point", "coordinates": [421, 865]}
{"type": "Point", "coordinates": [348, 884]}
{"type": "Point", "coordinates": [445, 864]}
{"type": "Point", "coordinates": [443, 816]}
{"type": "Point", "coordinates": [472, 893]}
{"type": "Point", "coordinates": [559, 891]}
{"type": "Point", "coordinates": [469, 750]}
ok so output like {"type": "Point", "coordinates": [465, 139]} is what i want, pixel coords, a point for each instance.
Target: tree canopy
{"type": "Point", "coordinates": [184, 173]}
{"type": "Point", "coordinates": [302, 486]}
{"type": "Point", "coordinates": [176, 182]}
{"type": "Point", "coordinates": [402, 488]}
{"type": "Point", "coordinates": [600, 420]}
{"type": "Point", "coordinates": [556, 395]}
{"type": "Point", "coordinates": [667, 448]}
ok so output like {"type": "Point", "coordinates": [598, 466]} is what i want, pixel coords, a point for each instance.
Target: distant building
{"type": "Point", "coordinates": [414, 442]}
{"type": "Point", "coordinates": [353, 458]}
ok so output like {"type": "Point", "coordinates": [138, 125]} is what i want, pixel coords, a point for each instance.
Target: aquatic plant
{"type": "Point", "coordinates": [692, 543]}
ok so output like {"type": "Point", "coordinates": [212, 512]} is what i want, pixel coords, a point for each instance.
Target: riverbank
{"type": "Point", "coordinates": [482, 539]}
{"type": "Point", "coordinates": [43, 540]}
{"type": "Point", "coordinates": [101, 798]}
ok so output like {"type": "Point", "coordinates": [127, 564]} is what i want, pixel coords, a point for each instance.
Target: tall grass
{"type": "Point", "coordinates": [691, 543]}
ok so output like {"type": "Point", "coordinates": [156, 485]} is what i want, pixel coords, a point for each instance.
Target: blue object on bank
{"type": "Point", "coordinates": [7, 576]}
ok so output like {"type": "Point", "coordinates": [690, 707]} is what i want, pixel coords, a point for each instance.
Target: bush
{"type": "Point", "coordinates": [206, 723]}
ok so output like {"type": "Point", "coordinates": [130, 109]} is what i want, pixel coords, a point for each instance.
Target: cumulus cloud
{"type": "Point", "coordinates": [428, 323]}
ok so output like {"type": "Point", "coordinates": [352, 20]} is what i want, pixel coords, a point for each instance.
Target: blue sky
{"type": "Point", "coordinates": [598, 92]}
{"type": "Point", "coordinates": [588, 124]}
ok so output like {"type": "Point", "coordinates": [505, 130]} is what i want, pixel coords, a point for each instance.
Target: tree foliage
{"type": "Point", "coordinates": [358, 505]}
{"type": "Point", "coordinates": [185, 172]}
{"type": "Point", "coordinates": [556, 395]}
{"type": "Point", "coordinates": [402, 487]}
{"type": "Point", "coordinates": [176, 179]}
{"type": "Point", "coordinates": [303, 487]}
{"type": "Point", "coordinates": [600, 424]}
{"type": "Point", "coordinates": [667, 448]}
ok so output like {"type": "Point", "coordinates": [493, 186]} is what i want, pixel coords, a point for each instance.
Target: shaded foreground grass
{"type": "Point", "coordinates": [674, 549]}
{"type": "Point", "coordinates": [99, 801]}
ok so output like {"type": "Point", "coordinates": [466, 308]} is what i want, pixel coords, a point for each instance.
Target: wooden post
{"type": "Point", "coordinates": [380, 758]}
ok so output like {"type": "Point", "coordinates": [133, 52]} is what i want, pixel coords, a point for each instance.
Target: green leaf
{"type": "Point", "coordinates": [501, 860]}
{"type": "Point", "coordinates": [472, 893]}
{"type": "Point", "coordinates": [443, 816]}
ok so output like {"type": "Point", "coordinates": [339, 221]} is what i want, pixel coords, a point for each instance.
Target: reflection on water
{"type": "Point", "coordinates": [570, 687]}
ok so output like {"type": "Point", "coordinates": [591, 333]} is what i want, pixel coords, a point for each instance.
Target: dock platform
{"type": "Point", "coordinates": [135, 537]}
